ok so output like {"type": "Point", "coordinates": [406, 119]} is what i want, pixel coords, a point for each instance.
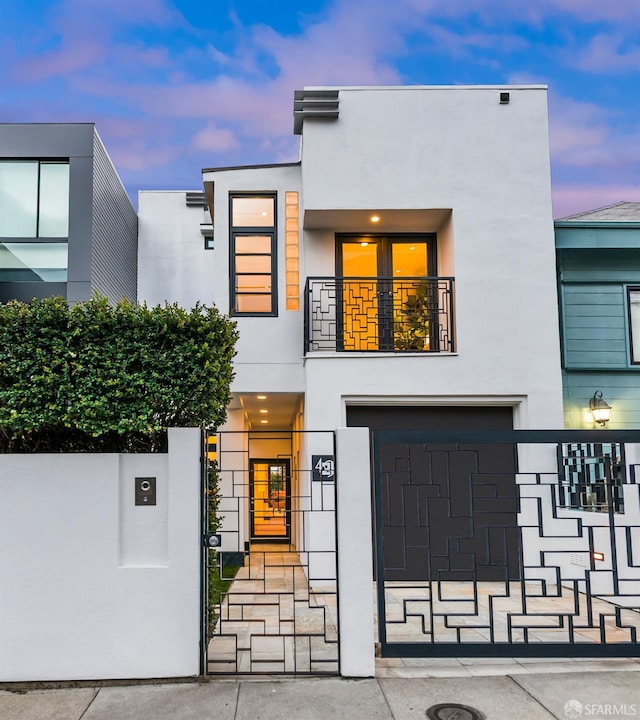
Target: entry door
{"type": "Point", "coordinates": [270, 500]}
{"type": "Point", "coordinates": [389, 308]}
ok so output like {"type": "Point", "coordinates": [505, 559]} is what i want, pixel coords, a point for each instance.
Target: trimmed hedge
{"type": "Point", "coordinates": [98, 377]}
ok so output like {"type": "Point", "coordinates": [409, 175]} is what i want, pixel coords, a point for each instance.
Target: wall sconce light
{"type": "Point", "coordinates": [599, 408]}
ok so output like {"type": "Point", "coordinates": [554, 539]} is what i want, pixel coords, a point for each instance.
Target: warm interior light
{"type": "Point", "coordinates": [264, 412]}
{"type": "Point", "coordinates": [599, 408]}
{"type": "Point", "coordinates": [597, 555]}
{"type": "Point", "coordinates": [413, 247]}
{"type": "Point", "coordinates": [375, 218]}
{"type": "Point", "coordinates": [264, 422]}
{"type": "Point", "coordinates": [364, 244]}
{"type": "Point", "coordinates": [261, 397]}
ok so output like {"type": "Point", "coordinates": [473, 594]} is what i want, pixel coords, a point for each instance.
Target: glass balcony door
{"type": "Point", "coordinates": [382, 304]}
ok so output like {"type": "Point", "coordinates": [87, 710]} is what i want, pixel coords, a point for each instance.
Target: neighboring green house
{"type": "Point", "coordinates": [598, 259]}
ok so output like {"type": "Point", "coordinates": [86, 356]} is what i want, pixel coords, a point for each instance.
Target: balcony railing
{"type": "Point", "coordinates": [379, 314]}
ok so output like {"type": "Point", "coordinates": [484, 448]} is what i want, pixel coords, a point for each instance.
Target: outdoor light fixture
{"type": "Point", "coordinates": [375, 218]}
{"type": "Point", "coordinates": [599, 408]}
{"type": "Point", "coordinates": [597, 556]}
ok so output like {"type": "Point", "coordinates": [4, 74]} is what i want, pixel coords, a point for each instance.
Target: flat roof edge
{"type": "Point", "coordinates": [251, 167]}
{"type": "Point", "coordinates": [506, 86]}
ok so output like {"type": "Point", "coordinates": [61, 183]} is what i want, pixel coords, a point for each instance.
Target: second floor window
{"type": "Point", "coordinates": [34, 199]}
{"type": "Point", "coordinates": [253, 254]}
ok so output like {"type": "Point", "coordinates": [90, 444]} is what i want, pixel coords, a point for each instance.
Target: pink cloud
{"type": "Point", "coordinates": [606, 53]}
{"type": "Point", "coordinates": [214, 139]}
{"type": "Point", "coordinates": [571, 199]}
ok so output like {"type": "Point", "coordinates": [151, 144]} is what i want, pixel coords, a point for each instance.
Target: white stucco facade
{"type": "Point", "coordinates": [453, 161]}
{"type": "Point", "coordinates": [93, 586]}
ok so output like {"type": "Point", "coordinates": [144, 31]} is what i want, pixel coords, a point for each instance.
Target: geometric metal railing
{"type": "Point", "coordinates": [276, 612]}
{"type": "Point", "coordinates": [488, 543]}
{"type": "Point", "coordinates": [379, 314]}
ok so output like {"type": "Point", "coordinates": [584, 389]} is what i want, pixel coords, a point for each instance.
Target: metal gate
{"type": "Point", "coordinates": [507, 543]}
{"type": "Point", "coordinates": [270, 556]}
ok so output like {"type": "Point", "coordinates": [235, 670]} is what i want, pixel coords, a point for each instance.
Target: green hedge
{"type": "Point", "coordinates": [98, 377]}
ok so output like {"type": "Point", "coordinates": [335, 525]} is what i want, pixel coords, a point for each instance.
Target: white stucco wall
{"type": "Point", "coordinates": [457, 148]}
{"type": "Point", "coordinates": [91, 586]}
{"type": "Point", "coordinates": [173, 265]}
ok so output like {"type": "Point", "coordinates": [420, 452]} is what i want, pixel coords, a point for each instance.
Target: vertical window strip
{"type": "Point", "coordinates": [634, 323]}
{"type": "Point", "coordinates": [292, 250]}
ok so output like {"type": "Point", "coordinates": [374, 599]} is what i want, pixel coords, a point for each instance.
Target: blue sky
{"type": "Point", "coordinates": [177, 85]}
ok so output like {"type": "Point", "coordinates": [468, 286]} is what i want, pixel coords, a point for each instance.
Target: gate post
{"type": "Point", "coordinates": [355, 553]}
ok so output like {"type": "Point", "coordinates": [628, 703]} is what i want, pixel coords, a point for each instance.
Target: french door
{"type": "Point", "coordinates": [385, 302]}
{"type": "Point", "coordinates": [270, 500]}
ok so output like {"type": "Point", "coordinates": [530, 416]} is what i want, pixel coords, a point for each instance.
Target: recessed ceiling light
{"type": "Point", "coordinates": [261, 397]}
{"type": "Point", "coordinates": [375, 218]}
{"type": "Point", "coordinates": [264, 422]}
{"type": "Point", "coordinates": [264, 213]}
{"type": "Point", "coordinates": [264, 412]}
{"type": "Point", "coordinates": [412, 247]}
{"type": "Point", "coordinates": [364, 244]}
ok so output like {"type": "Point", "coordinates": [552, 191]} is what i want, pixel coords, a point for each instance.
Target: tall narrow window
{"type": "Point", "coordinates": [634, 323]}
{"type": "Point", "coordinates": [253, 255]}
{"type": "Point", "coordinates": [292, 249]}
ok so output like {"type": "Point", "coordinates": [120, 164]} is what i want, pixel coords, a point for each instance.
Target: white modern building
{"type": "Point", "coordinates": [400, 275]}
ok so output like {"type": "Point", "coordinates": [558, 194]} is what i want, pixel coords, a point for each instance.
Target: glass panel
{"type": "Point", "coordinates": [253, 211]}
{"type": "Point", "coordinates": [33, 261]}
{"type": "Point", "coordinates": [409, 259]}
{"type": "Point", "coordinates": [360, 299]}
{"type": "Point", "coordinates": [360, 259]}
{"type": "Point", "coordinates": [269, 500]}
{"type": "Point", "coordinates": [253, 244]}
{"type": "Point", "coordinates": [253, 283]}
{"type": "Point", "coordinates": [413, 304]}
{"type": "Point", "coordinates": [253, 303]}
{"type": "Point", "coordinates": [18, 199]}
{"type": "Point", "coordinates": [253, 264]}
{"type": "Point", "coordinates": [634, 312]}
{"type": "Point", "coordinates": [54, 200]}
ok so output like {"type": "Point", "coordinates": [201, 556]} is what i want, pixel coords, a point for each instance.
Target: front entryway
{"type": "Point", "coordinates": [270, 500]}
{"type": "Point", "coordinates": [270, 586]}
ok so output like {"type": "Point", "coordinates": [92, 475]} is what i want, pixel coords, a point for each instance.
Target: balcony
{"type": "Point", "coordinates": [379, 314]}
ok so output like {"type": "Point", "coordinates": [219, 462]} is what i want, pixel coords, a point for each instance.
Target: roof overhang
{"type": "Point", "coordinates": [391, 220]}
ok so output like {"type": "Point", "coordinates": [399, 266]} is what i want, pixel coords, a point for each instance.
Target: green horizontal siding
{"type": "Point", "coordinates": [595, 332]}
{"type": "Point", "coordinates": [621, 390]}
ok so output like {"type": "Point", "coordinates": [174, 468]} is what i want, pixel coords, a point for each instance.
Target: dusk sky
{"type": "Point", "coordinates": [175, 86]}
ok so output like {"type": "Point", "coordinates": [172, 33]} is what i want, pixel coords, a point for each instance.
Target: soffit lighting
{"type": "Point", "coordinates": [264, 412]}
{"type": "Point", "coordinates": [264, 422]}
{"type": "Point", "coordinates": [599, 408]}
{"type": "Point", "coordinates": [261, 397]}
{"type": "Point", "coordinates": [375, 218]}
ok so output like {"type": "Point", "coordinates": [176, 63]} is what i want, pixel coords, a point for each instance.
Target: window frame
{"type": "Point", "coordinates": [634, 362]}
{"type": "Point", "coordinates": [236, 231]}
{"type": "Point", "coordinates": [39, 161]}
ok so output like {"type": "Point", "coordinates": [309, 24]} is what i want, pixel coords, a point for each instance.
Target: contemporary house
{"type": "Point", "coordinates": [396, 421]}
{"type": "Point", "coordinates": [67, 226]}
{"type": "Point", "coordinates": [405, 264]}
{"type": "Point", "coordinates": [598, 255]}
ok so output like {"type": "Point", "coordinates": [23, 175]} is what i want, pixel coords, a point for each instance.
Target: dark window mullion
{"type": "Point", "coordinates": [38, 202]}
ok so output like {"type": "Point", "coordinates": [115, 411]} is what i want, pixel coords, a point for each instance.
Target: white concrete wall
{"type": "Point", "coordinates": [457, 148]}
{"type": "Point", "coordinates": [355, 556]}
{"type": "Point", "coordinates": [173, 265]}
{"type": "Point", "coordinates": [270, 349]}
{"type": "Point", "coordinates": [92, 587]}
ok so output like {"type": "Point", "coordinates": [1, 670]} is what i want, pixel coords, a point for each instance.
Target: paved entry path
{"type": "Point", "coordinates": [531, 696]}
{"type": "Point", "coordinates": [272, 621]}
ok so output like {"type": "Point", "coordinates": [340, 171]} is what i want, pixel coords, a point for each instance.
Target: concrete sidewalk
{"type": "Point", "coordinates": [531, 696]}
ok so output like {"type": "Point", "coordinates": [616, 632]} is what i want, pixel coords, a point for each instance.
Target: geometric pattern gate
{"type": "Point", "coordinates": [270, 583]}
{"type": "Point", "coordinates": [507, 543]}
